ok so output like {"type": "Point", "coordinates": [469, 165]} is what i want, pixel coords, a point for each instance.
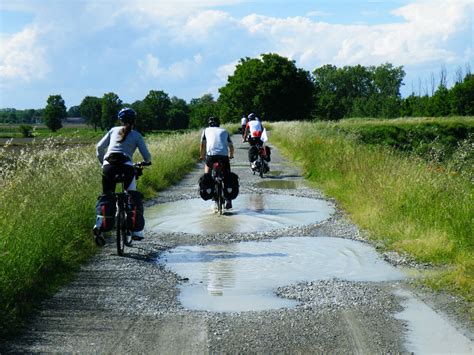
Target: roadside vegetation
{"type": "Point", "coordinates": [47, 205]}
{"type": "Point", "coordinates": [398, 190]}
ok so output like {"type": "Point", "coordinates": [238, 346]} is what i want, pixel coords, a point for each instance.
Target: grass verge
{"type": "Point", "coordinates": [47, 200]}
{"type": "Point", "coordinates": [412, 206]}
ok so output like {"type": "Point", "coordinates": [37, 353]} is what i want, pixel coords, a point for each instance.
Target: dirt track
{"type": "Point", "coordinates": [130, 304]}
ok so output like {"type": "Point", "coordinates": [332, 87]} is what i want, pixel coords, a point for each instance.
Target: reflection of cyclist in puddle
{"type": "Point", "coordinates": [220, 271]}
{"type": "Point", "coordinates": [256, 202]}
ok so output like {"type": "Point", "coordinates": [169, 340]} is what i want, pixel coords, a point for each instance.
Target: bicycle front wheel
{"type": "Point", "coordinates": [121, 233]}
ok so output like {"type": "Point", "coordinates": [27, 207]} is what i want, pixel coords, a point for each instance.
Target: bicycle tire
{"type": "Point", "coordinates": [121, 233]}
{"type": "Point", "coordinates": [220, 199]}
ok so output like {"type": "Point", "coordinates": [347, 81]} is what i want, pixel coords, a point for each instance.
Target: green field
{"type": "Point", "coordinates": [412, 203]}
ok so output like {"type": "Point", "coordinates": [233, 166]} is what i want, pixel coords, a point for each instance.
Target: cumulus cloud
{"type": "Point", "coordinates": [224, 71]}
{"type": "Point", "coordinates": [22, 57]}
{"type": "Point", "coordinates": [419, 38]}
{"type": "Point", "coordinates": [150, 67]}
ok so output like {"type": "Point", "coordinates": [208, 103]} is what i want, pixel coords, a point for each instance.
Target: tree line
{"type": "Point", "coordinates": [275, 89]}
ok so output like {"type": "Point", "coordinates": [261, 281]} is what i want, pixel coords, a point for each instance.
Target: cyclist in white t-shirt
{"type": "Point", "coordinates": [216, 145]}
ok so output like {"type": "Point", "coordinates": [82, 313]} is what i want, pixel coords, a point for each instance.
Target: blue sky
{"type": "Point", "coordinates": [79, 48]}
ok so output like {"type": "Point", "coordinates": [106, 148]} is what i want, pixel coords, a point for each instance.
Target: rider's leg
{"type": "Point", "coordinates": [108, 181]}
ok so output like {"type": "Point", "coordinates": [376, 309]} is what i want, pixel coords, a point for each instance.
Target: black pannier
{"type": "Point", "coordinates": [253, 153]}
{"type": "Point", "coordinates": [134, 211]}
{"type": "Point", "coordinates": [206, 187]}
{"type": "Point", "coordinates": [105, 212]}
{"type": "Point", "coordinates": [231, 186]}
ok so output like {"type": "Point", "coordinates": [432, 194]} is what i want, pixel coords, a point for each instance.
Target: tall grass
{"type": "Point", "coordinates": [412, 206]}
{"type": "Point", "coordinates": [47, 200]}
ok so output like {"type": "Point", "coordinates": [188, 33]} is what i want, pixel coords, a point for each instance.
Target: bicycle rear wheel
{"type": "Point", "coordinates": [220, 199]}
{"type": "Point", "coordinates": [121, 233]}
{"type": "Point", "coordinates": [262, 166]}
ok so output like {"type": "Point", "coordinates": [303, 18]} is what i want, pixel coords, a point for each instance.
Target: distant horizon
{"type": "Point", "coordinates": [189, 48]}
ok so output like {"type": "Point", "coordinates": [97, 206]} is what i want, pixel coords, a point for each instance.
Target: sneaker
{"type": "Point", "coordinates": [228, 204]}
{"type": "Point", "coordinates": [253, 166]}
{"type": "Point", "coordinates": [137, 235]}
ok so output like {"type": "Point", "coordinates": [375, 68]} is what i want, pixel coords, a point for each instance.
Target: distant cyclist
{"type": "Point", "coordinates": [216, 146]}
{"type": "Point", "coordinates": [115, 153]}
{"type": "Point", "coordinates": [253, 130]}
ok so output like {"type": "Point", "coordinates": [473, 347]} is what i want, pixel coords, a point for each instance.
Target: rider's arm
{"type": "Point", "coordinates": [231, 151]}
{"type": "Point", "coordinates": [202, 148]}
{"type": "Point", "coordinates": [143, 149]}
{"type": "Point", "coordinates": [102, 146]}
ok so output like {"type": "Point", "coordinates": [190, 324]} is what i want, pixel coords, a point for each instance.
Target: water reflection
{"type": "Point", "coordinates": [251, 213]}
{"type": "Point", "coordinates": [242, 276]}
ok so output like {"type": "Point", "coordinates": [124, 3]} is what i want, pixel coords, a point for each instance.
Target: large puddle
{"type": "Point", "coordinates": [429, 332]}
{"type": "Point", "coordinates": [242, 276]}
{"type": "Point", "coordinates": [250, 213]}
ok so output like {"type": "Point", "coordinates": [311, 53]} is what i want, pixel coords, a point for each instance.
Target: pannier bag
{"type": "Point", "coordinates": [105, 212]}
{"type": "Point", "coordinates": [206, 187]}
{"type": "Point", "coordinates": [231, 186]}
{"type": "Point", "coordinates": [134, 211]}
{"type": "Point", "coordinates": [253, 153]}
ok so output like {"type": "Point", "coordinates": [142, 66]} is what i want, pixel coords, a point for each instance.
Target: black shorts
{"type": "Point", "coordinates": [223, 159]}
{"type": "Point", "coordinates": [110, 171]}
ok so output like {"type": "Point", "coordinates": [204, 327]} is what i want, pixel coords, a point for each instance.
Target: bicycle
{"type": "Point", "coordinates": [217, 174]}
{"type": "Point", "coordinates": [260, 165]}
{"type": "Point", "coordinates": [123, 233]}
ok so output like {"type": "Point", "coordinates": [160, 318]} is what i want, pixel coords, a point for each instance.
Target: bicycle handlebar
{"type": "Point", "coordinates": [142, 163]}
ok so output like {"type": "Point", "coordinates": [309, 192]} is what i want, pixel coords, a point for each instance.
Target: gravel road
{"type": "Point", "coordinates": [130, 304]}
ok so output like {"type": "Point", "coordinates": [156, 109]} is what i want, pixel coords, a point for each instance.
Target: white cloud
{"type": "Point", "coordinates": [22, 57]}
{"type": "Point", "coordinates": [224, 71]}
{"type": "Point", "coordinates": [151, 67]}
{"type": "Point", "coordinates": [420, 38]}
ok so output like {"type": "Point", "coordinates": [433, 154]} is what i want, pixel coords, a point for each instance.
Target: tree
{"type": "Point", "coordinates": [178, 114]}
{"type": "Point", "coordinates": [155, 110]}
{"type": "Point", "coordinates": [54, 112]}
{"type": "Point", "coordinates": [111, 105]}
{"type": "Point", "coordinates": [201, 109]}
{"type": "Point", "coordinates": [462, 96]}
{"type": "Point", "coordinates": [271, 86]}
{"type": "Point", "coordinates": [74, 111]}
{"type": "Point", "coordinates": [91, 110]}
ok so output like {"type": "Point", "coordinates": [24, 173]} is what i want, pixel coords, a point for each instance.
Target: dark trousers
{"type": "Point", "coordinates": [110, 173]}
{"type": "Point", "coordinates": [223, 159]}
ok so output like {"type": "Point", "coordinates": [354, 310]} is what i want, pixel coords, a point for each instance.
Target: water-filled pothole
{"type": "Point", "coordinates": [242, 276]}
{"type": "Point", "coordinates": [250, 213]}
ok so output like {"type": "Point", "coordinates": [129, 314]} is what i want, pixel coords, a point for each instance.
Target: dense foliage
{"type": "Point", "coordinates": [271, 86]}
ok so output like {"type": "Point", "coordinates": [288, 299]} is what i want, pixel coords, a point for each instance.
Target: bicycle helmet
{"type": "Point", "coordinates": [251, 116]}
{"type": "Point", "coordinates": [127, 115]}
{"type": "Point", "coordinates": [213, 121]}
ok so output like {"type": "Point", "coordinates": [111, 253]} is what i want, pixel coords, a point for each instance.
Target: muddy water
{"type": "Point", "coordinates": [242, 276]}
{"type": "Point", "coordinates": [250, 213]}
